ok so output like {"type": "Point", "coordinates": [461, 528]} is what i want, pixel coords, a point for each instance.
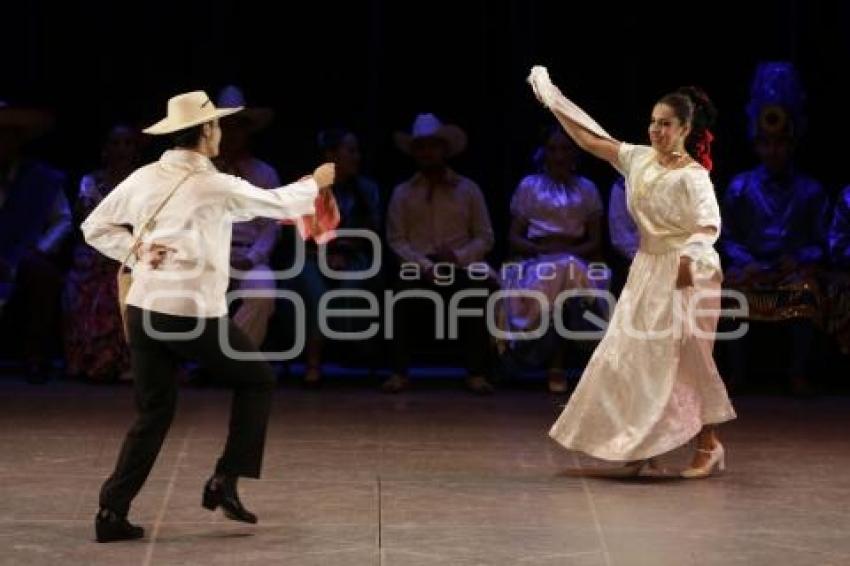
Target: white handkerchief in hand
{"type": "Point", "coordinates": [552, 97]}
{"type": "Point", "coordinates": [541, 84]}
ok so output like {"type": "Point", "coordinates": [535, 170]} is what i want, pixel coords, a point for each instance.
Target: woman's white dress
{"type": "Point", "coordinates": [651, 383]}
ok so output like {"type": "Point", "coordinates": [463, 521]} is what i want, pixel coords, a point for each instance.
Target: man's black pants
{"type": "Point", "coordinates": [154, 364]}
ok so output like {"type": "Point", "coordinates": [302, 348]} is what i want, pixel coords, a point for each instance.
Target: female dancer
{"type": "Point", "coordinates": [652, 385]}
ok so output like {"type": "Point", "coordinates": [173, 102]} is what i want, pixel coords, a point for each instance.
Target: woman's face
{"type": "Point", "coordinates": [121, 148]}
{"type": "Point", "coordinates": [559, 155]}
{"type": "Point", "coordinates": [666, 132]}
{"type": "Point", "coordinates": [347, 157]}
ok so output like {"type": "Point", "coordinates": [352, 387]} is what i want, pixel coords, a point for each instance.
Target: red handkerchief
{"type": "Point", "coordinates": [320, 226]}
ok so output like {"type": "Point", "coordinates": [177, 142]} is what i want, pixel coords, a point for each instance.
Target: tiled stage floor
{"type": "Point", "coordinates": [433, 476]}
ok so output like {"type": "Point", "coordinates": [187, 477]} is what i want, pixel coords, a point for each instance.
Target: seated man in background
{"type": "Point", "coordinates": [438, 222]}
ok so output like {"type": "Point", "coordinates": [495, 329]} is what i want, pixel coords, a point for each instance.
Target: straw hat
{"type": "Point", "coordinates": [187, 110]}
{"type": "Point", "coordinates": [257, 118]}
{"type": "Point", "coordinates": [429, 126]}
{"type": "Point", "coordinates": [31, 121]}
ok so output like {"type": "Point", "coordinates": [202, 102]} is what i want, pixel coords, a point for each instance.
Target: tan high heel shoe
{"type": "Point", "coordinates": [717, 458]}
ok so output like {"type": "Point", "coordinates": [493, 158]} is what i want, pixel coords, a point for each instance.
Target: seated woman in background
{"type": "Point", "coordinates": [358, 199]}
{"type": "Point", "coordinates": [95, 348]}
{"type": "Point", "coordinates": [556, 230]}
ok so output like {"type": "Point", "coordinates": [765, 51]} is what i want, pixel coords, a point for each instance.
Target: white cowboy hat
{"type": "Point", "coordinates": [232, 97]}
{"type": "Point", "coordinates": [31, 121]}
{"type": "Point", "coordinates": [187, 110]}
{"type": "Point", "coordinates": [429, 126]}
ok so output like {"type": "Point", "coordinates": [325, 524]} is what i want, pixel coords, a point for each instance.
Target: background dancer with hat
{"type": "Point", "coordinates": [182, 210]}
{"type": "Point", "coordinates": [775, 235]}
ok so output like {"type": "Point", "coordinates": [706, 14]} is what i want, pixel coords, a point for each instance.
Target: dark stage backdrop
{"type": "Point", "coordinates": [372, 65]}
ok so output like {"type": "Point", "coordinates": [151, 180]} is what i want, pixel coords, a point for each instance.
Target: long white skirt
{"type": "Point", "coordinates": [651, 383]}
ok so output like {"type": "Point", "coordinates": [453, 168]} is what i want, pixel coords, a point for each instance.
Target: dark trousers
{"type": "Point", "coordinates": [154, 363]}
{"type": "Point", "coordinates": [31, 318]}
{"type": "Point", "coordinates": [412, 315]}
{"type": "Point", "coordinates": [797, 346]}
